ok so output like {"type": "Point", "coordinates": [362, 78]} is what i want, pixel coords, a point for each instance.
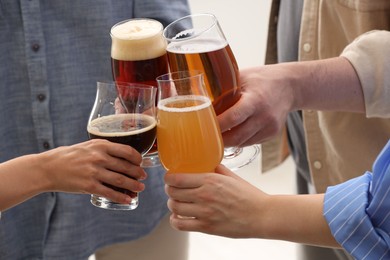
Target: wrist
{"type": "Point", "coordinates": [298, 78]}
{"type": "Point", "coordinates": [38, 173]}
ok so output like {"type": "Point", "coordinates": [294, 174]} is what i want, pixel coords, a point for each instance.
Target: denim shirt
{"type": "Point", "coordinates": [52, 52]}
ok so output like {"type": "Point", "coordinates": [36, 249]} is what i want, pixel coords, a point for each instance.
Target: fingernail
{"type": "Point", "coordinates": [127, 200]}
{"type": "Point", "coordinates": [143, 177]}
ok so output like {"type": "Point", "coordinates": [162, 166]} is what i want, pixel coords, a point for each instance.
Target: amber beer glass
{"type": "Point", "coordinates": [138, 55]}
{"type": "Point", "coordinates": [135, 126]}
{"type": "Point", "coordinates": [188, 134]}
{"type": "Point", "coordinates": [196, 42]}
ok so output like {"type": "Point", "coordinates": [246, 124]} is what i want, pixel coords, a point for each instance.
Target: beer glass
{"type": "Point", "coordinates": [197, 42]}
{"type": "Point", "coordinates": [138, 55]}
{"type": "Point", "coordinates": [188, 134]}
{"type": "Point", "coordinates": [131, 122]}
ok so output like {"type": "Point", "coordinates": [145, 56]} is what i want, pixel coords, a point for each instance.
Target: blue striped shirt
{"type": "Point", "coordinates": [358, 211]}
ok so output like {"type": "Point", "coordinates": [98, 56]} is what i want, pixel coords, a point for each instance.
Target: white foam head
{"type": "Point", "coordinates": [162, 104]}
{"type": "Point", "coordinates": [196, 45]}
{"type": "Point", "coordinates": [112, 123]}
{"type": "Point", "coordinates": [137, 39]}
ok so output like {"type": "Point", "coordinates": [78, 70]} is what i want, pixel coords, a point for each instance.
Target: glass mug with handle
{"type": "Point", "coordinates": [188, 133]}
{"type": "Point", "coordinates": [197, 42]}
{"type": "Point", "coordinates": [132, 124]}
{"type": "Point", "coordinates": [138, 55]}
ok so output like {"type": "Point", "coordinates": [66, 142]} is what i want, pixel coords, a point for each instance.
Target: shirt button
{"type": "Point", "coordinates": [41, 97]}
{"type": "Point", "coordinates": [35, 47]}
{"type": "Point", "coordinates": [307, 47]}
{"type": "Point", "coordinates": [46, 145]}
{"type": "Point", "coordinates": [317, 165]}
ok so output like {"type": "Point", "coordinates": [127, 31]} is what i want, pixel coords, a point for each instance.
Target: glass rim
{"type": "Point", "coordinates": [126, 84]}
{"type": "Point", "coordinates": [214, 23]}
{"type": "Point", "coordinates": [179, 75]}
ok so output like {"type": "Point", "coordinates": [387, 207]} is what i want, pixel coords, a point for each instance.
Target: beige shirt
{"type": "Point", "coordinates": [341, 146]}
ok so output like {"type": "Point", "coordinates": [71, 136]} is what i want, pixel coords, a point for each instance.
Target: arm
{"type": "Point", "coordinates": [357, 81]}
{"type": "Point", "coordinates": [357, 211]}
{"type": "Point", "coordinates": [80, 168]}
{"type": "Point", "coordinates": [271, 92]}
{"type": "Point", "coordinates": [224, 204]}
{"type": "Point", "coordinates": [354, 213]}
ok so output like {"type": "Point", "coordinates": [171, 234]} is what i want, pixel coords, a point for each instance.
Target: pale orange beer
{"type": "Point", "coordinates": [188, 134]}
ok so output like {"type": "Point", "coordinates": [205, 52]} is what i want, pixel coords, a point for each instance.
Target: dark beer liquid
{"type": "Point", "coordinates": [141, 71]}
{"type": "Point", "coordinates": [220, 70]}
{"type": "Point", "coordinates": [139, 132]}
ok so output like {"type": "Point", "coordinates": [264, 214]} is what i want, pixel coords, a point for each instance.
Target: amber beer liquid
{"type": "Point", "coordinates": [188, 135]}
{"type": "Point", "coordinates": [138, 54]}
{"type": "Point", "coordinates": [136, 130]}
{"type": "Point", "coordinates": [218, 64]}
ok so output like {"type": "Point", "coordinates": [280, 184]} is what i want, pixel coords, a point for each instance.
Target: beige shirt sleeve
{"type": "Point", "coordinates": [370, 56]}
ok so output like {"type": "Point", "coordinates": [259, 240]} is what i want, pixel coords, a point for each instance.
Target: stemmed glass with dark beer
{"type": "Point", "coordinates": [131, 121]}
{"type": "Point", "coordinates": [138, 55]}
{"type": "Point", "coordinates": [197, 42]}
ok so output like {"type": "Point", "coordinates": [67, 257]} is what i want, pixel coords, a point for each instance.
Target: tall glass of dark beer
{"type": "Point", "coordinates": [138, 55]}
{"type": "Point", "coordinates": [197, 42]}
{"type": "Point", "coordinates": [131, 122]}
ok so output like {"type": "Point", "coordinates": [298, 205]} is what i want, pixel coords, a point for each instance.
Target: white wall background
{"type": "Point", "coordinates": [244, 24]}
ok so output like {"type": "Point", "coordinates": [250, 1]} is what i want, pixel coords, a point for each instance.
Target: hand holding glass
{"type": "Point", "coordinates": [133, 123]}
{"type": "Point", "coordinates": [188, 134]}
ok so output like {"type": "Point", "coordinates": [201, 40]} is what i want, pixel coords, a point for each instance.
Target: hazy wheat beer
{"type": "Point", "coordinates": [188, 135]}
{"type": "Point", "coordinates": [215, 59]}
{"type": "Point", "coordinates": [138, 53]}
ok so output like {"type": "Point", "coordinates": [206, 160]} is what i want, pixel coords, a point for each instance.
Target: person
{"type": "Point", "coordinates": [79, 168]}
{"type": "Point", "coordinates": [310, 30]}
{"type": "Point", "coordinates": [355, 215]}
{"type": "Point", "coordinates": [52, 55]}
{"type": "Point", "coordinates": [356, 82]}
{"type": "Point", "coordinates": [326, 28]}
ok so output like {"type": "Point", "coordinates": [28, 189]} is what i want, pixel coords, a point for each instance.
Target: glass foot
{"type": "Point", "coordinates": [104, 203]}
{"type": "Point", "coordinates": [236, 158]}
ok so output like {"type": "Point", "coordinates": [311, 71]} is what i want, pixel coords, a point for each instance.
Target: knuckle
{"type": "Point", "coordinates": [91, 170]}
{"type": "Point", "coordinates": [119, 179]}
{"type": "Point", "coordinates": [91, 187]}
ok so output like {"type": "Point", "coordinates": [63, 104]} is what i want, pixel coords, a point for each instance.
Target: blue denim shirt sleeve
{"type": "Point", "coordinates": [357, 211]}
{"type": "Point", "coordinates": [52, 53]}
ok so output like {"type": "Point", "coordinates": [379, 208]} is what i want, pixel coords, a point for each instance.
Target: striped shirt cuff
{"type": "Point", "coordinates": [345, 211]}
